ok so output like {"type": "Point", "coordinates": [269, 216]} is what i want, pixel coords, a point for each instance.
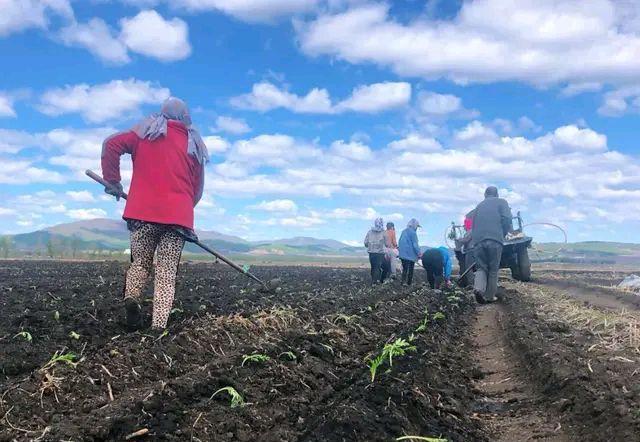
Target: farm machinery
{"type": "Point", "coordinates": [515, 254]}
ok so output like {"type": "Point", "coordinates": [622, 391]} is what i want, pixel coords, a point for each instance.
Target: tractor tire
{"type": "Point", "coordinates": [524, 265]}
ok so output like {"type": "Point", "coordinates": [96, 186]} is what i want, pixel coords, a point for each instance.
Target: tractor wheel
{"type": "Point", "coordinates": [524, 265]}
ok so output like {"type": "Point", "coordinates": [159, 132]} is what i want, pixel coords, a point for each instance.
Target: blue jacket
{"type": "Point", "coordinates": [408, 245]}
{"type": "Point", "coordinates": [446, 259]}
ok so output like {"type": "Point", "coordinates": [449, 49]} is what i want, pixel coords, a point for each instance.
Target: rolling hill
{"type": "Point", "coordinates": [112, 235]}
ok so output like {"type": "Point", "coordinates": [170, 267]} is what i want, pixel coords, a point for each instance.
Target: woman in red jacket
{"type": "Point", "coordinates": [168, 177]}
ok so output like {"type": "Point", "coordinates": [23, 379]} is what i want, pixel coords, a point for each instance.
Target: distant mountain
{"type": "Point", "coordinates": [112, 235]}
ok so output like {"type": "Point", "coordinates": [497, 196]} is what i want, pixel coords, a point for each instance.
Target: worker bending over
{"type": "Point", "coordinates": [492, 220]}
{"type": "Point", "coordinates": [437, 263]}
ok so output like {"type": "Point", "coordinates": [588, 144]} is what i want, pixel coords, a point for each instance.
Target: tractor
{"type": "Point", "coordinates": [515, 254]}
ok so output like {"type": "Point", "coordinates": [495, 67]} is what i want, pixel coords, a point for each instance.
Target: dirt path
{"type": "Point", "coordinates": [596, 296]}
{"type": "Point", "coordinates": [508, 405]}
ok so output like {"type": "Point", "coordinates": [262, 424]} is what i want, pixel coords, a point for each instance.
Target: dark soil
{"type": "Point", "coordinates": [594, 392]}
{"type": "Point", "coordinates": [317, 331]}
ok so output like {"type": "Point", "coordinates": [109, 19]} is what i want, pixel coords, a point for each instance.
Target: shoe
{"type": "Point", "coordinates": [134, 316]}
{"type": "Point", "coordinates": [479, 298]}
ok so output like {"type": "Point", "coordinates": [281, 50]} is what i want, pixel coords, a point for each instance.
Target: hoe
{"type": "Point", "coordinates": [269, 286]}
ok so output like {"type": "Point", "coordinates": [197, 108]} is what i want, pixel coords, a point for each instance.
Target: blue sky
{"type": "Point", "coordinates": [322, 114]}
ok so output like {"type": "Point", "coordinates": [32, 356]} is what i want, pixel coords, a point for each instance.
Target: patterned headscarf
{"type": "Point", "coordinates": [155, 125]}
{"type": "Point", "coordinates": [413, 224]}
{"type": "Point", "coordinates": [378, 225]}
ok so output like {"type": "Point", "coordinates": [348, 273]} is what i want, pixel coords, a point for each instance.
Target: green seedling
{"type": "Point", "coordinates": [453, 299]}
{"type": "Point", "coordinates": [236, 398]}
{"type": "Point", "coordinates": [164, 333]}
{"type": "Point", "coordinates": [438, 315]}
{"type": "Point", "coordinates": [398, 348]}
{"type": "Point", "coordinates": [425, 322]}
{"type": "Point", "coordinates": [422, 438]}
{"type": "Point", "coordinates": [289, 354]}
{"type": "Point", "coordinates": [176, 310]}
{"type": "Point", "coordinates": [374, 364]}
{"type": "Point", "coordinates": [67, 358]}
{"type": "Point", "coordinates": [74, 335]}
{"type": "Point", "coordinates": [256, 357]}
{"type": "Point", "coordinates": [56, 315]}
{"type": "Point", "coordinates": [26, 335]}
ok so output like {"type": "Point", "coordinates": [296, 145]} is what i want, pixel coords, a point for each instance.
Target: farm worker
{"type": "Point", "coordinates": [437, 263]}
{"type": "Point", "coordinates": [409, 250]}
{"type": "Point", "coordinates": [168, 177]}
{"type": "Point", "coordinates": [374, 242]}
{"type": "Point", "coordinates": [492, 220]}
{"type": "Point", "coordinates": [391, 248]}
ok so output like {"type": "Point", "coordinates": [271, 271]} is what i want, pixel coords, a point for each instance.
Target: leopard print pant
{"type": "Point", "coordinates": [145, 241]}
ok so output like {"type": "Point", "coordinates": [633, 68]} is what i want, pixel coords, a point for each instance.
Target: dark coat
{"type": "Point", "coordinates": [492, 219]}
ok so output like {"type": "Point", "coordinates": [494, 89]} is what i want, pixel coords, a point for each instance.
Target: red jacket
{"type": "Point", "coordinates": [167, 182]}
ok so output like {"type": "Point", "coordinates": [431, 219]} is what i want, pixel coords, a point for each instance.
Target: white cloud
{"type": "Point", "coordinates": [99, 103]}
{"type": "Point", "coordinates": [148, 33]}
{"type": "Point", "coordinates": [13, 141]}
{"type": "Point", "coordinates": [6, 106]}
{"type": "Point", "coordinates": [283, 205]}
{"type": "Point", "coordinates": [301, 221]}
{"type": "Point", "coordinates": [266, 96]}
{"type": "Point", "coordinates": [23, 171]}
{"type": "Point", "coordinates": [235, 126]}
{"type": "Point", "coordinates": [18, 15]}
{"type": "Point", "coordinates": [353, 150]}
{"type": "Point", "coordinates": [98, 38]}
{"type": "Point", "coordinates": [216, 144]}
{"type": "Point", "coordinates": [82, 196]}
{"type": "Point", "coordinates": [377, 97]}
{"type": "Point", "coordinates": [371, 98]}
{"type": "Point", "coordinates": [475, 131]}
{"type": "Point", "coordinates": [574, 138]}
{"type": "Point", "coordinates": [5, 211]}
{"type": "Point", "coordinates": [574, 89]}
{"type": "Point", "coordinates": [84, 214]}
{"type": "Point", "coordinates": [540, 42]}
{"type": "Point", "coordinates": [416, 142]}
{"type": "Point", "coordinates": [438, 104]}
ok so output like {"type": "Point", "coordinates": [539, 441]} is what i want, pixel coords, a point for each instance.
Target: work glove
{"type": "Point", "coordinates": [115, 189]}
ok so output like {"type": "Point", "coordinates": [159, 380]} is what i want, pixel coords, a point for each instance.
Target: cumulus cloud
{"type": "Point", "coordinates": [376, 97]}
{"type": "Point", "coordinates": [234, 126]}
{"type": "Point", "coordinates": [84, 214]}
{"type": "Point", "coordinates": [148, 33]}
{"type": "Point", "coordinates": [438, 104]}
{"type": "Point", "coordinates": [421, 175]}
{"type": "Point", "coordinates": [98, 38]}
{"type": "Point", "coordinates": [102, 102]}
{"type": "Point", "coordinates": [18, 15]}
{"type": "Point", "coordinates": [25, 171]}
{"type": "Point", "coordinates": [416, 142]}
{"type": "Point", "coordinates": [282, 205]}
{"type": "Point", "coordinates": [540, 42]}
{"type": "Point", "coordinates": [6, 106]}
{"type": "Point", "coordinates": [371, 98]}
{"type": "Point", "coordinates": [216, 144]}
{"type": "Point", "coordinates": [82, 196]}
